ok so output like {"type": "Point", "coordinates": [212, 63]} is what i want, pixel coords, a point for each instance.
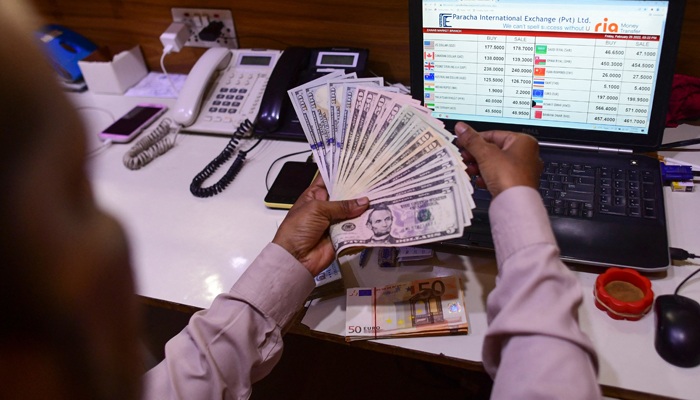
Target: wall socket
{"type": "Point", "coordinates": [197, 19]}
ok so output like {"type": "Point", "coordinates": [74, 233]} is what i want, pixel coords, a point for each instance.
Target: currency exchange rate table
{"type": "Point", "coordinates": [604, 79]}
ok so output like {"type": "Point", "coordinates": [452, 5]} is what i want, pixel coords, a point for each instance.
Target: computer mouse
{"type": "Point", "coordinates": [678, 330]}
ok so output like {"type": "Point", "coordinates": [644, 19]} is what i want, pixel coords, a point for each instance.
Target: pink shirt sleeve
{"type": "Point", "coordinates": [236, 342]}
{"type": "Point", "coordinates": [534, 348]}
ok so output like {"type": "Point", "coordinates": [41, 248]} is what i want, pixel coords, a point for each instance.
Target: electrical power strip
{"type": "Point", "coordinates": [197, 19]}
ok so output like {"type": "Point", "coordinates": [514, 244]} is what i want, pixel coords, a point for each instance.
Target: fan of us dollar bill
{"type": "Point", "coordinates": [369, 141]}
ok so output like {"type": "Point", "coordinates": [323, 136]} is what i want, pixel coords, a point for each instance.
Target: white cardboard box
{"type": "Point", "coordinates": [106, 74]}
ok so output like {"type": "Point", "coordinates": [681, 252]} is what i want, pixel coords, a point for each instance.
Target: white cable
{"type": "Point", "coordinates": [151, 146]}
{"type": "Point", "coordinates": [107, 143]}
{"type": "Point", "coordinates": [166, 51]}
{"type": "Point", "coordinates": [97, 109]}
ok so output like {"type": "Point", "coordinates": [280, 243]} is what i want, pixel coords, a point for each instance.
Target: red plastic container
{"type": "Point", "coordinates": [619, 309]}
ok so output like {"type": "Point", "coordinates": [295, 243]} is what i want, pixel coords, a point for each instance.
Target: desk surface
{"type": "Point", "coordinates": [187, 250]}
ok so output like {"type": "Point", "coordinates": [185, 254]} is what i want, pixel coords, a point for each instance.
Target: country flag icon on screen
{"type": "Point", "coordinates": [541, 49]}
{"type": "Point", "coordinates": [539, 71]}
{"type": "Point", "coordinates": [429, 97]}
{"type": "Point", "coordinates": [430, 56]}
{"type": "Point", "coordinates": [429, 65]}
{"type": "Point", "coordinates": [538, 82]}
{"type": "Point", "coordinates": [429, 86]}
{"type": "Point", "coordinates": [540, 61]}
{"type": "Point", "coordinates": [429, 76]}
{"type": "Point", "coordinates": [429, 44]}
{"type": "Point", "coordinates": [537, 92]}
{"type": "Point", "coordinates": [538, 114]}
{"type": "Point", "coordinates": [537, 103]}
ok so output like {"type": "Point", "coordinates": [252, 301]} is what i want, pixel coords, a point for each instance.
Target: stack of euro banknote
{"type": "Point", "coordinates": [425, 307]}
{"type": "Point", "coordinates": [369, 141]}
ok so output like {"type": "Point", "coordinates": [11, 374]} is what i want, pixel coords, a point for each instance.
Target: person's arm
{"type": "Point", "coordinates": [225, 349]}
{"type": "Point", "coordinates": [534, 348]}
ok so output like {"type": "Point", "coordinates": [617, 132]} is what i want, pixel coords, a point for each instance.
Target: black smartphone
{"type": "Point", "coordinates": [290, 183]}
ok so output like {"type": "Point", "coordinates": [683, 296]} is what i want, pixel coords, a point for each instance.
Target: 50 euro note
{"type": "Point", "coordinates": [423, 307]}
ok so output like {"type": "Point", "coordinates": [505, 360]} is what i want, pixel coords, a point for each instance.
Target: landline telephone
{"type": "Point", "coordinates": [238, 92]}
{"type": "Point", "coordinates": [226, 87]}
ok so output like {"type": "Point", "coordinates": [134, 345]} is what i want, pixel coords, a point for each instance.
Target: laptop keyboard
{"type": "Point", "coordinates": [586, 190]}
{"type": "Point", "coordinates": [578, 190]}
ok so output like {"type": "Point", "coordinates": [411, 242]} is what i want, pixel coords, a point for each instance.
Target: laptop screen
{"type": "Point", "coordinates": [587, 64]}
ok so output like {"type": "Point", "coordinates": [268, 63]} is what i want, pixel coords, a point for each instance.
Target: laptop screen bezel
{"type": "Point", "coordinates": [636, 142]}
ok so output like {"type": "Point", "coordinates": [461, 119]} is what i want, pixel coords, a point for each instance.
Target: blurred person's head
{"type": "Point", "coordinates": [69, 323]}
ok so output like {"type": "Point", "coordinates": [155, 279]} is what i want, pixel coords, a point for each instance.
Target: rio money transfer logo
{"type": "Point", "coordinates": [445, 20]}
{"type": "Point", "coordinates": [605, 27]}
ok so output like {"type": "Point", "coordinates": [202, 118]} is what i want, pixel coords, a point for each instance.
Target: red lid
{"type": "Point", "coordinates": [618, 308]}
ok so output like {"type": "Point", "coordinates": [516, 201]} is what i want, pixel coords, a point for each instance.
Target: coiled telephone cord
{"type": "Point", "coordinates": [196, 185]}
{"type": "Point", "coordinates": [151, 146]}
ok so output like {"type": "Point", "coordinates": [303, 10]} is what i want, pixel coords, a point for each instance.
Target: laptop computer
{"type": "Point", "coordinates": [590, 80]}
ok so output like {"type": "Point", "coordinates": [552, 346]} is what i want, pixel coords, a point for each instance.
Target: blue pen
{"type": "Point", "coordinates": [363, 257]}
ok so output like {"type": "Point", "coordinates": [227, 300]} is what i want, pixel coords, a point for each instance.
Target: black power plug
{"type": "Point", "coordinates": [212, 31]}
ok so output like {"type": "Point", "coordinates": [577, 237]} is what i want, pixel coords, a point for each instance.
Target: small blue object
{"type": "Point", "coordinates": [64, 48]}
{"type": "Point", "coordinates": [676, 172]}
{"type": "Point", "coordinates": [366, 292]}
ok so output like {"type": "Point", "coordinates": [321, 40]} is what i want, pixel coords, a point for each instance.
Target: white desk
{"type": "Point", "coordinates": [187, 250]}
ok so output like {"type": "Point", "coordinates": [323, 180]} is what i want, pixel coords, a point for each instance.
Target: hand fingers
{"type": "Point", "coordinates": [318, 193]}
{"type": "Point", "coordinates": [318, 182]}
{"type": "Point", "coordinates": [502, 139]}
{"type": "Point", "coordinates": [473, 169]}
{"type": "Point", "coordinates": [472, 142]}
{"type": "Point", "coordinates": [315, 191]}
{"type": "Point", "coordinates": [467, 157]}
{"type": "Point", "coordinates": [339, 210]}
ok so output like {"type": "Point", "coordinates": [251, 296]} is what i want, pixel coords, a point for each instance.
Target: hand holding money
{"type": "Point", "coordinates": [377, 144]}
{"type": "Point", "coordinates": [501, 159]}
{"type": "Point", "coordinates": [304, 231]}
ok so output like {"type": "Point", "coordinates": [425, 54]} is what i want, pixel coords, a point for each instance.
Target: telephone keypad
{"type": "Point", "coordinates": [233, 96]}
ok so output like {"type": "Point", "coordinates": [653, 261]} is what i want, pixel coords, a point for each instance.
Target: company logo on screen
{"type": "Point", "coordinates": [445, 20]}
{"type": "Point", "coordinates": [605, 27]}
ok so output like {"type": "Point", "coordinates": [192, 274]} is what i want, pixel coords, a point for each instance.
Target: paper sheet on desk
{"type": "Point", "coordinates": [328, 314]}
{"type": "Point", "coordinates": [156, 84]}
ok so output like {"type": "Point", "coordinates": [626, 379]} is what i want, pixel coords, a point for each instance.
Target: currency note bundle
{"type": "Point", "coordinates": [419, 308]}
{"type": "Point", "coordinates": [372, 142]}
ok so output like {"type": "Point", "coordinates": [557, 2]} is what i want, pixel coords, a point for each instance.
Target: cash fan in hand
{"type": "Point", "coordinates": [371, 142]}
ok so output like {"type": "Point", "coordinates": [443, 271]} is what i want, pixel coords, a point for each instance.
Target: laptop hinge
{"type": "Point", "coordinates": [586, 148]}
